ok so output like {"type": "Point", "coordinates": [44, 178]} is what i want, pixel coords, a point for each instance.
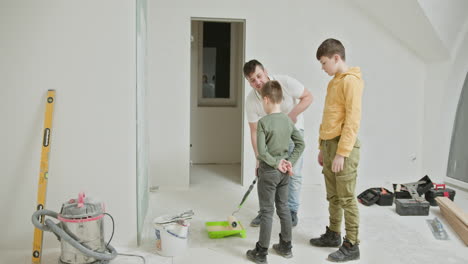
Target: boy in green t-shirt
{"type": "Point", "coordinates": [273, 134]}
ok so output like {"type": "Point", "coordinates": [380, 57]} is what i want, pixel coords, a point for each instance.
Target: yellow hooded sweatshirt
{"type": "Point", "coordinates": [342, 110]}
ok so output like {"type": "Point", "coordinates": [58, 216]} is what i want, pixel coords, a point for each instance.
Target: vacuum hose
{"type": "Point", "coordinates": [52, 227]}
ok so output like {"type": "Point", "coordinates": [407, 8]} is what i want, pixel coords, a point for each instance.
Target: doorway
{"type": "Point", "coordinates": [457, 167]}
{"type": "Point", "coordinates": [216, 110]}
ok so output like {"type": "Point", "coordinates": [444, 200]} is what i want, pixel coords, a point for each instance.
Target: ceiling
{"type": "Point", "coordinates": [432, 29]}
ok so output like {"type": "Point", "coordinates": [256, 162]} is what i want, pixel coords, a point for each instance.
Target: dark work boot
{"type": "Point", "coordinates": [294, 219]}
{"type": "Point", "coordinates": [329, 239]}
{"type": "Point", "coordinates": [256, 221]}
{"type": "Point", "coordinates": [283, 248]}
{"type": "Point", "coordinates": [258, 254]}
{"type": "Point", "coordinates": [345, 253]}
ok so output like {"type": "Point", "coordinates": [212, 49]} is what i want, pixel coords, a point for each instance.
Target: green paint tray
{"type": "Point", "coordinates": [221, 229]}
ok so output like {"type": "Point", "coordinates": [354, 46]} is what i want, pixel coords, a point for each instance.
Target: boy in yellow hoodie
{"type": "Point", "coordinates": [339, 150]}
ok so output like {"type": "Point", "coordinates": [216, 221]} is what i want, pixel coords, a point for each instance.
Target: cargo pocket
{"type": "Point", "coordinates": [351, 163]}
{"type": "Point", "coordinates": [345, 185]}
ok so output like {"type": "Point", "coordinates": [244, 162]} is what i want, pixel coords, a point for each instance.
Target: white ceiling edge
{"type": "Point", "coordinates": [460, 38]}
{"type": "Point", "coordinates": [449, 19]}
{"type": "Point", "coordinates": [406, 21]}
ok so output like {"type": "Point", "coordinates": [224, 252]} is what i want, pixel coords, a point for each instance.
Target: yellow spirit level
{"type": "Point", "coordinates": [43, 175]}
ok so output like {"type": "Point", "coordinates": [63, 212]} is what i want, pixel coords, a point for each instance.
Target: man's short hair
{"type": "Point", "coordinates": [330, 47]}
{"type": "Point", "coordinates": [272, 90]}
{"type": "Point", "coordinates": [250, 66]}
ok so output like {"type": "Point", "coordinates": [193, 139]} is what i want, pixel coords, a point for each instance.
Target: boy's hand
{"type": "Point", "coordinates": [285, 166]}
{"type": "Point", "coordinates": [288, 167]}
{"type": "Point", "coordinates": [320, 158]}
{"type": "Point", "coordinates": [338, 163]}
{"type": "Point", "coordinates": [256, 167]}
{"type": "Point", "coordinates": [281, 166]}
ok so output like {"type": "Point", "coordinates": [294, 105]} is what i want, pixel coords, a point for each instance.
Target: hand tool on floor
{"type": "Point", "coordinates": [412, 189]}
{"type": "Point", "coordinates": [232, 226]}
{"type": "Point", "coordinates": [231, 219]}
{"type": "Point", "coordinates": [43, 175]}
{"type": "Point", "coordinates": [174, 218]}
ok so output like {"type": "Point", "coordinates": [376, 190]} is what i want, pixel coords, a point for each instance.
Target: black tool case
{"type": "Point", "coordinates": [411, 207]}
{"type": "Point", "coordinates": [368, 197]}
{"type": "Point", "coordinates": [386, 198]}
{"type": "Point", "coordinates": [439, 191]}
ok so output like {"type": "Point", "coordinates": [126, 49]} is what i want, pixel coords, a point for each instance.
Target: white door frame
{"type": "Point", "coordinates": [238, 53]}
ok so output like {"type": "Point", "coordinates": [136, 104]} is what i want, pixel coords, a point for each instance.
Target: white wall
{"type": "Point", "coordinates": [286, 43]}
{"type": "Point", "coordinates": [443, 84]}
{"type": "Point", "coordinates": [85, 50]}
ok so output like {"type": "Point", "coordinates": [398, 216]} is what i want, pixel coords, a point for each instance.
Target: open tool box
{"type": "Point", "coordinates": [409, 200]}
{"type": "Point", "coordinates": [408, 190]}
{"type": "Point", "coordinates": [378, 195]}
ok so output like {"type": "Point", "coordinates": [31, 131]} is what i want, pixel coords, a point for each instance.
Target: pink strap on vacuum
{"type": "Point", "coordinates": [81, 197]}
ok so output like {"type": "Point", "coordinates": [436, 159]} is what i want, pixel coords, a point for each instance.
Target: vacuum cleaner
{"type": "Point", "coordinates": [80, 231]}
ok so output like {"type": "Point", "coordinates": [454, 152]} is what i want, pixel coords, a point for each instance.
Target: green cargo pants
{"type": "Point", "coordinates": [341, 189]}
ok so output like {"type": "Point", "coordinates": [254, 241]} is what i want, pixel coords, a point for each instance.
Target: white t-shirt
{"type": "Point", "coordinates": [292, 91]}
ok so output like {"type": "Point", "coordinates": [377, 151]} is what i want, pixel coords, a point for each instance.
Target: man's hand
{"type": "Point", "coordinates": [338, 163]}
{"type": "Point", "coordinates": [320, 158]}
{"type": "Point", "coordinates": [304, 101]}
{"type": "Point", "coordinates": [293, 117]}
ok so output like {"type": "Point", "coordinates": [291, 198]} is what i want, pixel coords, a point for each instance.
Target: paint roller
{"type": "Point", "coordinates": [231, 219]}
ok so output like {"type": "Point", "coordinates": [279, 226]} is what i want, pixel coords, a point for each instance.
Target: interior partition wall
{"type": "Point", "coordinates": [141, 128]}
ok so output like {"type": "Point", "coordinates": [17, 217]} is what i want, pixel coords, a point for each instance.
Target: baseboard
{"type": "Point", "coordinates": [456, 183]}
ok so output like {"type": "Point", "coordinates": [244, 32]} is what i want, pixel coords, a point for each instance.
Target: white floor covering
{"type": "Point", "coordinates": [214, 194]}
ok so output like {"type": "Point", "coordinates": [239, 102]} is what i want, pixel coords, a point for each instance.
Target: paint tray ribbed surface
{"type": "Point", "coordinates": [222, 229]}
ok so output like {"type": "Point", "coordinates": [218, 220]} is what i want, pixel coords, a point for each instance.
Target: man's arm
{"type": "Point", "coordinates": [253, 139]}
{"type": "Point", "coordinates": [304, 101]}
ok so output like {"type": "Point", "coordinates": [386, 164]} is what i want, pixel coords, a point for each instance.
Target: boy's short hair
{"type": "Point", "coordinates": [250, 66]}
{"type": "Point", "coordinates": [272, 90]}
{"type": "Point", "coordinates": [330, 47]}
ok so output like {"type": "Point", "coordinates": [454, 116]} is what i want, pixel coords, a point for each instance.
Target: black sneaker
{"type": "Point", "coordinates": [258, 254]}
{"type": "Point", "coordinates": [345, 253]}
{"type": "Point", "coordinates": [256, 221]}
{"type": "Point", "coordinates": [329, 239]}
{"type": "Point", "coordinates": [294, 219]}
{"type": "Point", "coordinates": [283, 248]}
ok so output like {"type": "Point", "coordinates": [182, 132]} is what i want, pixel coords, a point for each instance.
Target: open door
{"type": "Point", "coordinates": [216, 116]}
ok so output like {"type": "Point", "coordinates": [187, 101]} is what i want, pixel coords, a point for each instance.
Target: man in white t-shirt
{"type": "Point", "coordinates": [296, 99]}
